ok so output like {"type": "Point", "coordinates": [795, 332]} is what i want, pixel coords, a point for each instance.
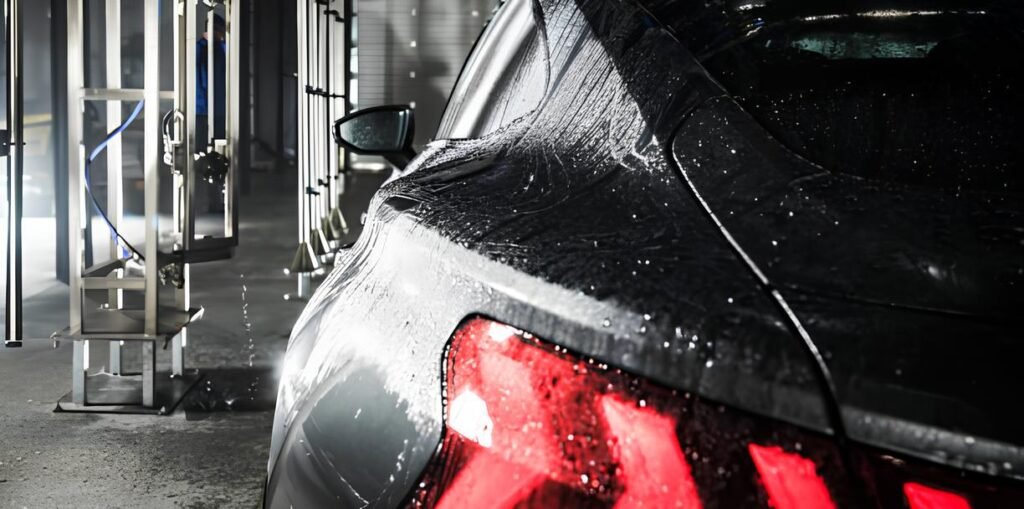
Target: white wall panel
{"type": "Point", "coordinates": [411, 51]}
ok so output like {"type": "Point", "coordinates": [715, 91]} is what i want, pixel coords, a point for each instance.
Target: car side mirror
{"type": "Point", "coordinates": [385, 131]}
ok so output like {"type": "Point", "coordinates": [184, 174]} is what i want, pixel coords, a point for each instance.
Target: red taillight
{"type": "Point", "coordinates": [792, 481]}
{"type": "Point", "coordinates": [920, 496]}
{"type": "Point", "coordinates": [529, 425]}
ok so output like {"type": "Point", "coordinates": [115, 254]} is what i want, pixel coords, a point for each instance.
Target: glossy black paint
{"type": "Point", "coordinates": [581, 223]}
{"type": "Point", "coordinates": [913, 305]}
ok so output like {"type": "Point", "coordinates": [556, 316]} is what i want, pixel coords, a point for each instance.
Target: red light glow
{"type": "Point", "coordinates": [530, 427]}
{"type": "Point", "coordinates": [490, 482]}
{"type": "Point", "coordinates": [792, 481]}
{"type": "Point", "coordinates": [653, 467]}
{"type": "Point", "coordinates": [920, 496]}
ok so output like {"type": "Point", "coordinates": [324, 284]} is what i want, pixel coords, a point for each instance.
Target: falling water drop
{"type": "Point", "coordinates": [251, 346]}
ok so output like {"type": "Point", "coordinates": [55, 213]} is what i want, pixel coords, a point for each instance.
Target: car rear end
{"type": "Point", "coordinates": [459, 359]}
{"type": "Point", "coordinates": [530, 424]}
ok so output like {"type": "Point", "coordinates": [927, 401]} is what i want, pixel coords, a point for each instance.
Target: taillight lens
{"type": "Point", "coordinates": [914, 484]}
{"type": "Point", "coordinates": [920, 496]}
{"type": "Point", "coordinates": [528, 424]}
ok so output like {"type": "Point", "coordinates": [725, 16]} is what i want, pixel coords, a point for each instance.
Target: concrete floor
{"type": "Point", "coordinates": [212, 451]}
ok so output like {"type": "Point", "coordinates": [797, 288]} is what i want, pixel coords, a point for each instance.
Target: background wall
{"type": "Point", "coordinates": [274, 67]}
{"type": "Point", "coordinates": [411, 52]}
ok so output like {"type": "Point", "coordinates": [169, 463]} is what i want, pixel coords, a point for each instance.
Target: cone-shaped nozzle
{"type": "Point", "coordinates": [325, 225]}
{"type": "Point", "coordinates": [318, 242]}
{"type": "Point", "coordinates": [304, 260]}
{"type": "Point", "coordinates": [337, 222]}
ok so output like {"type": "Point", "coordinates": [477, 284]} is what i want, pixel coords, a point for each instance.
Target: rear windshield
{"type": "Point", "coordinates": [926, 97]}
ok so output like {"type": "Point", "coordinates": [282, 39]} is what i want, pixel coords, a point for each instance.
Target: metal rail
{"type": "Point", "coordinates": [321, 26]}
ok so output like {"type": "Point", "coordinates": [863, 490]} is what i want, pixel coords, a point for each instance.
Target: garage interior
{"type": "Point", "coordinates": [512, 253]}
{"type": "Point", "coordinates": [299, 65]}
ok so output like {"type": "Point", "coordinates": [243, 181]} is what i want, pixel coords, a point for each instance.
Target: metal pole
{"type": "Point", "coordinates": [233, 129]}
{"type": "Point", "coordinates": [183, 301]}
{"type": "Point", "coordinates": [211, 81]}
{"type": "Point", "coordinates": [317, 155]}
{"type": "Point", "coordinates": [149, 373]}
{"type": "Point", "coordinates": [303, 111]}
{"type": "Point", "coordinates": [331, 149]}
{"type": "Point", "coordinates": [310, 149]}
{"type": "Point", "coordinates": [349, 16]}
{"type": "Point", "coordinates": [336, 220]}
{"type": "Point", "coordinates": [181, 77]}
{"type": "Point", "coordinates": [80, 370]}
{"type": "Point", "coordinates": [322, 128]}
{"type": "Point", "coordinates": [329, 118]}
{"type": "Point", "coordinates": [76, 157]}
{"type": "Point", "coordinates": [176, 127]}
{"type": "Point", "coordinates": [114, 160]}
{"type": "Point", "coordinates": [189, 109]}
{"type": "Point", "coordinates": [15, 176]}
{"type": "Point", "coordinates": [321, 112]}
{"type": "Point", "coordinates": [184, 101]}
{"type": "Point", "coordinates": [151, 164]}
{"type": "Point", "coordinates": [114, 111]}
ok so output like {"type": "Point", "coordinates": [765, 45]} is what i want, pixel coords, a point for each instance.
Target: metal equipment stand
{"type": "Point", "coordinates": [120, 301]}
{"type": "Point", "coordinates": [321, 225]}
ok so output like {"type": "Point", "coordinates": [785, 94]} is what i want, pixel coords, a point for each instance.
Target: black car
{"type": "Point", "coordinates": [680, 253]}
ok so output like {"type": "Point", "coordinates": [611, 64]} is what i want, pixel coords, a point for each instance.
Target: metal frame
{"type": "Point", "coordinates": [115, 192]}
{"type": "Point", "coordinates": [305, 262]}
{"type": "Point", "coordinates": [156, 321]}
{"type": "Point", "coordinates": [114, 324]}
{"type": "Point", "coordinates": [320, 222]}
{"type": "Point", "coordinates": [193, 247]}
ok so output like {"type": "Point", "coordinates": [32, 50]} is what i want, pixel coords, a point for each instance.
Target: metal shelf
{"type": "Point", "coordinates": [128, 325]}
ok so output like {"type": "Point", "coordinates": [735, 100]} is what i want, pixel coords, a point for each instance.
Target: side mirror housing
{"type": "Point", "coordinates": [385, 131]}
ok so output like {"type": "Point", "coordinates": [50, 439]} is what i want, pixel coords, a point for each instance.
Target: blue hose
{"type": "Point", "coordinates": [115, 235]}
{"type": "Point", "coordinates": [126, 247]}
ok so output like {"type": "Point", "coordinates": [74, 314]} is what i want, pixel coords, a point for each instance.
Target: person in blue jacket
{"type": "Point", "coordinates": [214, 193]}
{"type": "Point", "coordinates": [202, 84]}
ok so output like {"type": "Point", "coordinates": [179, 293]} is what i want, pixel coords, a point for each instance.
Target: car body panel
{"type": "Point", "coordinates": [913, 302]}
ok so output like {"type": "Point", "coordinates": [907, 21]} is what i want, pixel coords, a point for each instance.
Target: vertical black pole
{"type": "Point", "coordinates": [310, 46]}
{"type": "Point", "coordinates": [347, 86]}
{"type": "Point", "coordinates": [245, 107]}
{"type": "Point", "coordinates": [90, 12]}
{"type": "Point", "coordinates": [327, 98]}
{"type": "Point", "coordinates": [15, 175]}
{"type": "Point", "coordinates": [59, 92]}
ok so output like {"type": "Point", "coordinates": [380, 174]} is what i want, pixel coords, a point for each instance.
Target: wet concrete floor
{"type": "Point", "coordinates": [212, 451]}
